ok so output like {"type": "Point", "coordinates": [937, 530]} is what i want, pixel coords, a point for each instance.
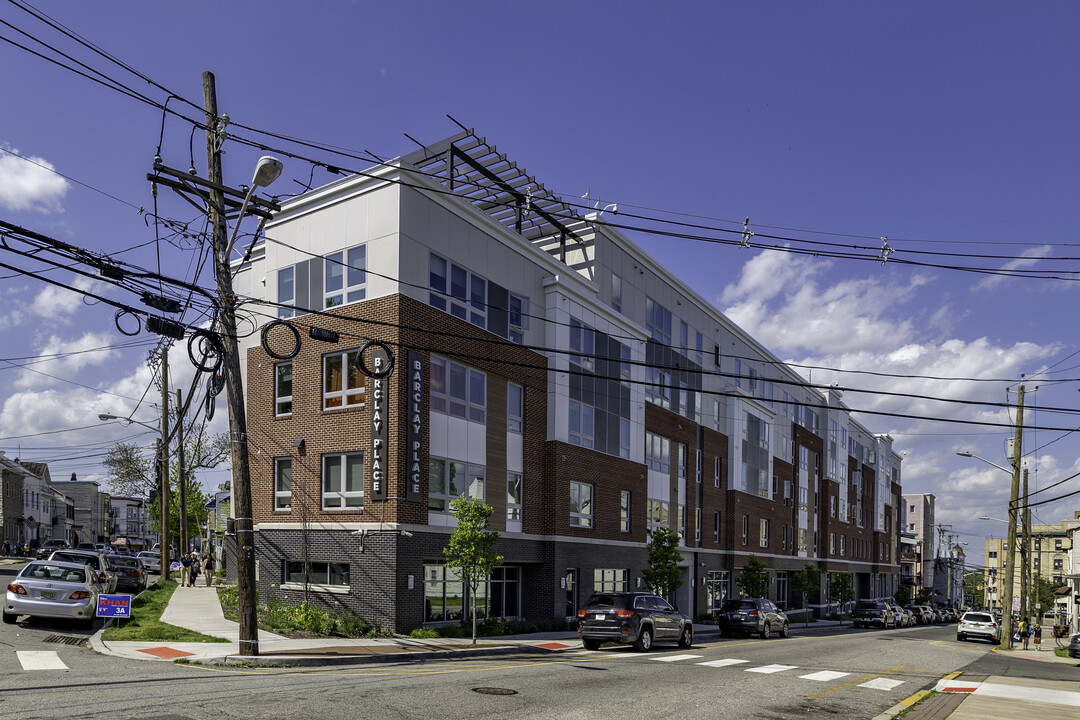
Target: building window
{"type": "Point", "coordinates": [610, 580]}
{"type": "Point", "coordinates": [283, 388]}
{"type": "Point", "coordinates": [513, 496]}
{"type": "Point", "coordinates": [450, 479]}
{"type": "Point", "coordinates": [763, 533]}
{"type": "Point", "coordinates": [832, 543]}
{"type": "Point", "coordinates": [315, 573]}
{"type": "Point", "coordinates": [658, 452]}
{"type": "Point", "coordinates": [286, 291]}
{"type": "Point", "coordinates": [344, 283]}
{"type": "Point", "coordinates": [624, 511]}
{"type": "Point", "coordinates": [832, 506]}
{"type": "Point", "coordinates": [515, 407]}
{"type": "Point", "coordinates": [658, 321]}
{"type": "Point", "coordinates": [583, 344]}
{"type": "Point", "coordinates": [343, 384]}
{"type": "Point", "coordinates": [581, 504]}
{"type": "Point", "coordinates": [616, 292]}
{"type": "Point", "coordinates": [745, 528]}
{"type": "Point", "coordinates": [519, 318]}
{"type": "Point", "coordinates": [444, 594]}
{"type": "Point", "coordinates": [466, 297]}
{"type": "Point", "coordinates": [659, 513]}
{"type": "Point", "coordinates": [843, 545]}
{"type": "Point", "coordinates": [458, 390]}
{"type": "Point", "coordinates": [682, 460]}
{"type": "Point", "coordinates": [343, 481]}
{"type": "Point", "coordinates": [716, 471]}
{"type": "Point", "coordinates": [624, 437]}
{"type": "Point", "coordinates": [802, 539]}
{"type": "Point", "coordinates": [581, 424]}
{"type": "Point", "coordinates": [716, 528]}
{"type": "Point", "coordinates": [283, 483]}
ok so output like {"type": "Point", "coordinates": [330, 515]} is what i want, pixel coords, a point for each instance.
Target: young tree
{"type": "Point", "coordinates": [841, 592]}
{"type": "Point", "coordinates": [663, 574]}
{"type": "Point", "coordinates": [471, 547]}
{"type": "Point", "coordinates": [924, 596]}
{"type": "Point", "coordinates": [902, 596]}
{"type": "Point", "coordinates": [754, 578]}
{"type": "Point", "coordinates": [804, 582]}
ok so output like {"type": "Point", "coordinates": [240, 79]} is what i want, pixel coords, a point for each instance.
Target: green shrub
{"type": "Point", "coordinates": [424, 634]}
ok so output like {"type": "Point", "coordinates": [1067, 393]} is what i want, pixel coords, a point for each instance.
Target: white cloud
{"type": "Point", "coordinates": [29, 183]}
{"type": "Point", "coordinates": [1030, 258]}
{"type": "Point", "coordinates": [60, 304]}
{"type": "Point", "coordinates": [37, 374]}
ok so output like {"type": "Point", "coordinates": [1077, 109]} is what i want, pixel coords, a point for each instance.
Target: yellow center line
{"type": "Point", "coordinates": [854, 682]}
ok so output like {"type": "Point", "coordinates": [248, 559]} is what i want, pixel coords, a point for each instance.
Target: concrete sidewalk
{"type": "Point", "coordinates": [197, 608]}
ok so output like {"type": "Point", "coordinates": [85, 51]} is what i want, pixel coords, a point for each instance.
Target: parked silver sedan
{"type": "Point", "coordinates": [54, 589]}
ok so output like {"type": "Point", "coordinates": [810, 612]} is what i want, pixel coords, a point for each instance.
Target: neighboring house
{"type": "Point", "coordinates": [549, 367]}
{"type": "Point", "coordinates": [131, 522]}
{"type": "Point", "coordinates": [93, 510]}
{"type": "Point", "coordinates": [12, 478]}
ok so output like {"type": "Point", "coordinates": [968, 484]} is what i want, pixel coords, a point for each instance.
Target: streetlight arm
{"type": "Point", "coordinates": [105, 417]}
{"type": "Point", "coordinates": [972, 455]}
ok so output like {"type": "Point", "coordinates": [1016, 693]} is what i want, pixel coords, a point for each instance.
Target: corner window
{"type": "Point", "coordinates": [345, 277]}
{"type": "Point", "coordinates": [283, 388]}
{"type": "Point", "coordinates": [458, 390]}
{"type": "Point", "coordinates": [286, 291]}
{"type": "Point", "coordinates": [466, 296]}
{"type": "Point", "coordinates": [519, 318]}
{"type": "Point", "coordinates": [450, 479]}
{"type": "Point", "coordinates": [515, 407]}
{"type": "Point", "coordinates": [343, 481]}
{"type": "Point", "coordinates": [343, 385]}
{"type": "Point", "coordinates": [513, 496]}
{"type": "Point", "coordinates": [581, 505]}
{"type": "Point", "coordinates": [283, 483]}
{"type": "Point", "coordinates": [624, 511]}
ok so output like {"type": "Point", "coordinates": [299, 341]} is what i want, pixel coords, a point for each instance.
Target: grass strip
{"type": "Point", "coordinates": [145, 623]}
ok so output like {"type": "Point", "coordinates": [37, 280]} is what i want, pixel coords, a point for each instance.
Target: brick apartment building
{"type": "Point", "coordinates": [548, 366]}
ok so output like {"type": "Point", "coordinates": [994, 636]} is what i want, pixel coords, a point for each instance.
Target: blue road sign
{"type": "Point", "coordinates": [118, 606]}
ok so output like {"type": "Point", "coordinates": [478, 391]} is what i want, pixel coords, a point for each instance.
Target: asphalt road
{"type": "Point", "coordinates": [847, 674]}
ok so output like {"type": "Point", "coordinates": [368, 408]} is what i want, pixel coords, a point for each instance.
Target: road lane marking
{"type": "Point", "coordinates": [825, 675]}
{"type": "Point", "coordinates": [769, 669]}
{"type": "Point", "coordinates": [881, 683]}
{"type": "Point", "coordinates": [40, 660]}
{"type": "Point", "coordinates": [723, 663]}
{"type": "Point", "coordinates": [675, 658]}
{"type": "Point", "coordinates": [864, 678]}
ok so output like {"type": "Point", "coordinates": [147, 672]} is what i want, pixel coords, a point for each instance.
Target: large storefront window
{"type": "Point", "coordinates": [446, 597]}
{"type": "Point", "coordinates": [717, 589]}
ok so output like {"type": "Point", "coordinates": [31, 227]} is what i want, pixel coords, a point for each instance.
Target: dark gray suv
{"type": "Point", "coordinates": [632, 617]}
{"type": "Point", "coordinates": [750, 616]}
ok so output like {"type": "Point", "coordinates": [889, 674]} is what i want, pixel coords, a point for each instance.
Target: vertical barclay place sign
{"type": "Point", "coordinates": [414, 490]}
{"type": "Point", "coordinates": [380, 386]}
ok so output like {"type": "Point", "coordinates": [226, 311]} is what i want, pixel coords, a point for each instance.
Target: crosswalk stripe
{"type": "Point", "coordinates": [825, 675]}
{"type": "Point", "coordinates": [723, 663]}
{"type": "Point", "coordinates": [769, 669]}
{"type": "Point", "coordinates": [675, 658]}
{"type": "Point", "coordinates": [40, 660]}
{"type": "Point", "coordinates": [882, 684]}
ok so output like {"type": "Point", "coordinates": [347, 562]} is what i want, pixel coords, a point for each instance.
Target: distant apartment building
{"type": "Point", "coordinates": [1050, 551]}
{"type": "Point", "coordinates": [547, 366]}
{"type": "Point", "coordinates": [919, 521]}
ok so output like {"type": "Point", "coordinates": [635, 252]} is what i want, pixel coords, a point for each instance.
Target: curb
{"type": "Point", "coordinates": [318, 660]}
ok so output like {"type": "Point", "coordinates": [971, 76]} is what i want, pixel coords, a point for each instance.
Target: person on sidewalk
{"type": "Point", "coordinates": [1038, 636]}
{"type": "Point", "coordinates": [185, 570]}
{"type": "Point", "coordinates": [1025, 632]}
{"type": "Point", "coordinates": [208, 569]}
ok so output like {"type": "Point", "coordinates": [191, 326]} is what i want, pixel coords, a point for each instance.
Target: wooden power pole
{"type": "Point", "coordinates": [226, 324]}
{"type": "Point", "coordinates": [180, 472]}
{"type": "Point", "coordinates": [163, 459]}
{"type": "Point", "coordinates": [1014, 501]}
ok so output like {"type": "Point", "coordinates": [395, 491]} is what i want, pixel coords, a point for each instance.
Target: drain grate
{"type": "Point", "coordinates": [494, 691]}
{"type": "Point", "coordinates": [65, 639]}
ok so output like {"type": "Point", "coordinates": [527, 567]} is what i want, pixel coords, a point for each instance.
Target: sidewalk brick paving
{"type": "Point", "coordinates": [939, 706]}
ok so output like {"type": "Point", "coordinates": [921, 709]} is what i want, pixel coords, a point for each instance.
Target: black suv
{"type": "Point", "coordinates": [632, 617]}
{"type": "Point", "coordinates": [750, 616]}
{"type": "Point", "coordinates": [50, 546]}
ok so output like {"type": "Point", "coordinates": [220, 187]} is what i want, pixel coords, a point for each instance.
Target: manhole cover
{"type": "Point", "coordinates": [494, 691]}
{"type": "Point", "coordinates": [65, 639]}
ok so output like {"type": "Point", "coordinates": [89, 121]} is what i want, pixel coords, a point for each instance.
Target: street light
{"type": "Point", "coordinates": [267, 170]}
{"type": "Point", "coordinates": [163, 496]}
{"type": "Point", "coordinates": [1014, 493]}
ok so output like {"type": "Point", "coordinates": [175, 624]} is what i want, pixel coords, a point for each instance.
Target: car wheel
{"type": "Point", "coordinates": [10, 619]}
{"type": "Point", "coordinates": [766, 632]}
{"type": "Point", "coordinates": [784, 631]}
{"type": "Point", "coordinates": [644, 641]}
{"type": "Point", "coordinates": [959, 638]}
{"type": "Point", "coordinates": [687, 637]}
{"type": "Point", "coordinates": [724, 633]}
{"type": "Point", "coordinates": [591, 644]}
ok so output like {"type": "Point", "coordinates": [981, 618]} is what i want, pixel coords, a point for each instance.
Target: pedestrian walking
{"type": "Point", "coordinates": [1038, 636]}
{"type": "Point", "coordinates": [1025, 632]}
{"type": "Point", "coordinates": [208, 569]}
{"type": "Point", "coordinates": [185, 570]}
{"type": "Point", "coordinates": [7, 548]}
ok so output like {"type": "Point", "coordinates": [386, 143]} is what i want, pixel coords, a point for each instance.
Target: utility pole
{"type": "Point", "coordinates": [164, 463]}
{"type": "Point", "coordinates": [180, 468]}
{"type": "Point", "coordinates": [1025, 579]}
{"type": "Point", "coordinates": [226, 322]}
{"type": "Point", "coordinates": [1014, 497]}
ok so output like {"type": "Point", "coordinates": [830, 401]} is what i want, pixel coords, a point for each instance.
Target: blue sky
{"type": "Point", "coordinates": [947, 127]}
